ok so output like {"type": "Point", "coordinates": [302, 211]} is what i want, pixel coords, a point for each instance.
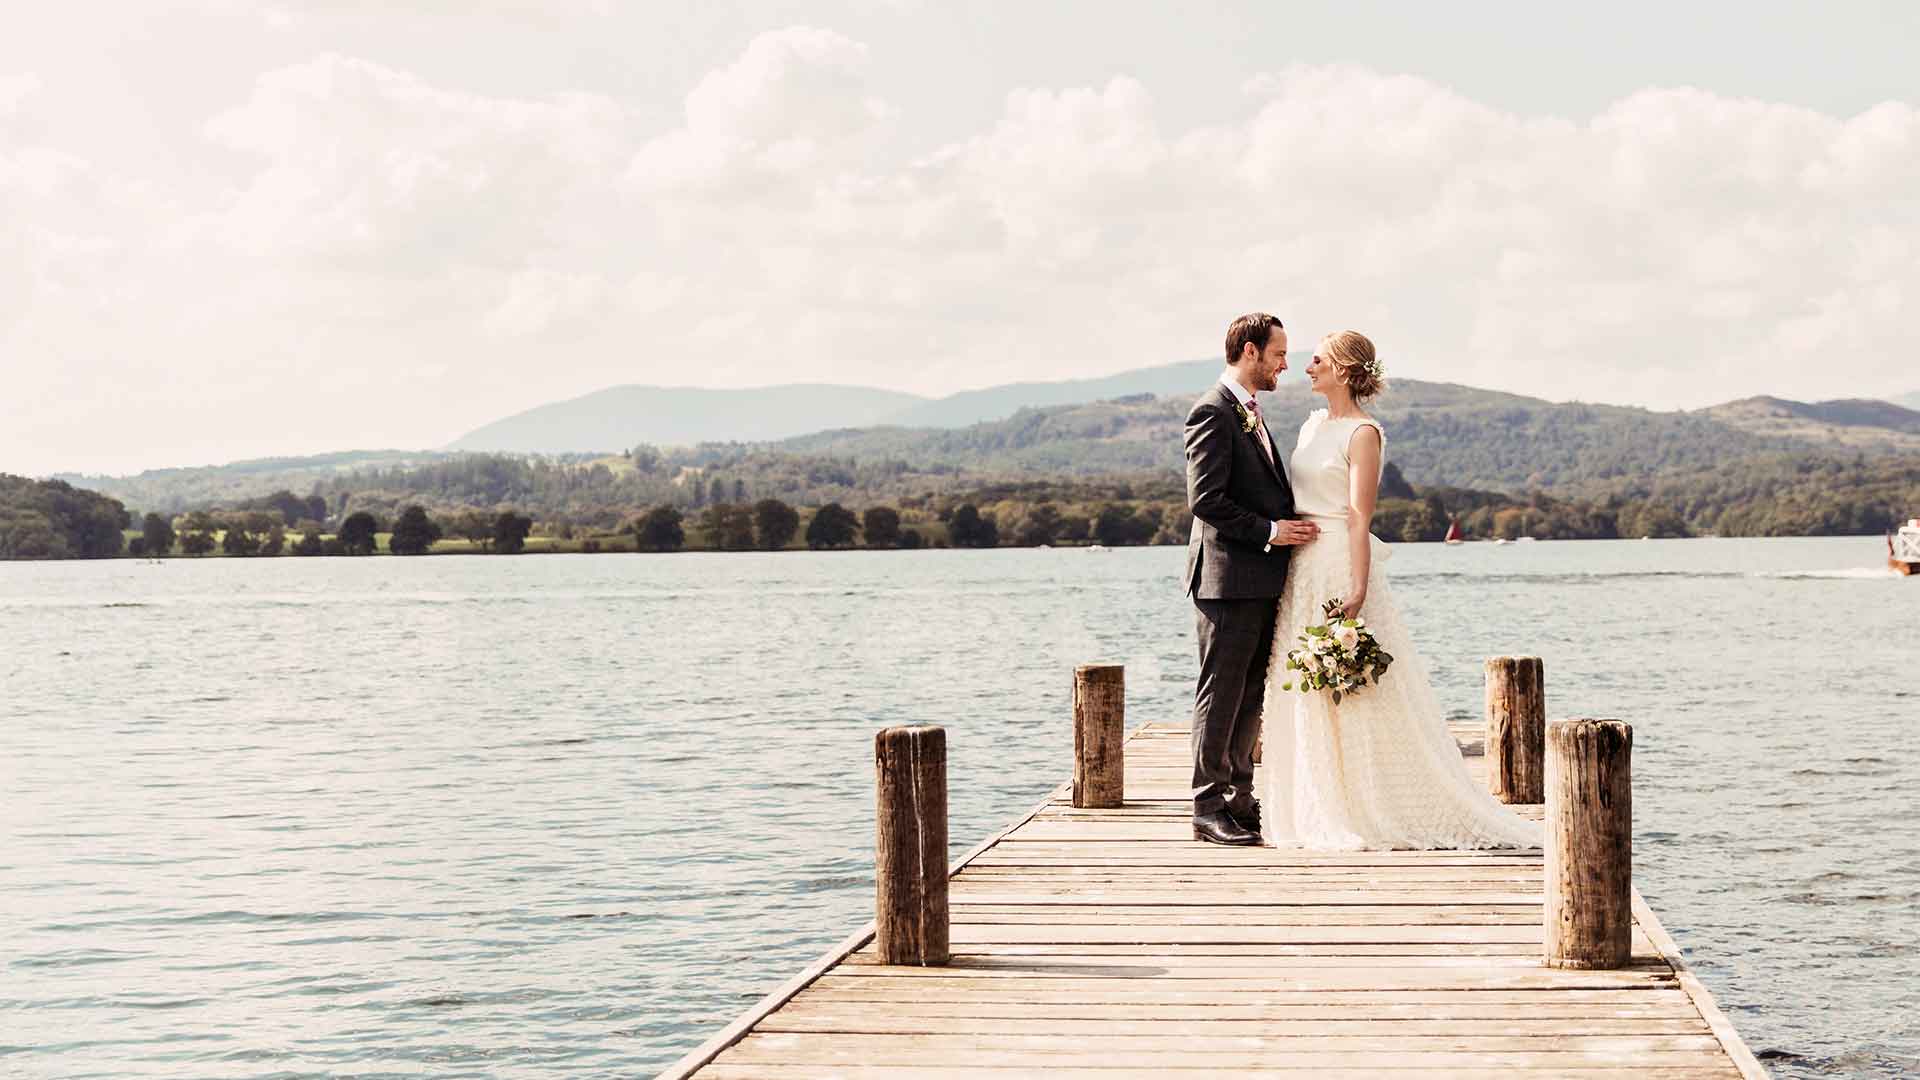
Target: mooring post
{"type": "Point", "coordinates": [910, 855]}
{"type": "Point", "coordinates": [1589, 844]}
{"type": "Point", "coordinates": [1516, 728]}
{"type": "Point", "coordinates": [1099, 732]}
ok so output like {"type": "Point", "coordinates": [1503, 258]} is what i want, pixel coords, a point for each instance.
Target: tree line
{"type": "Point", "coordinates": [265, 533]}
{"type": "Point", "coordinates": [418, 511]}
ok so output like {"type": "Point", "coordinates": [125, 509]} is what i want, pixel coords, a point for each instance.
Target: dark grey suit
{"type": "Point", "coordinates": [1235, 492]}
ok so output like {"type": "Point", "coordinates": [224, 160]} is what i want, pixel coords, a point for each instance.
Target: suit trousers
{"type": "Point", "coordinates": [1236, 641]}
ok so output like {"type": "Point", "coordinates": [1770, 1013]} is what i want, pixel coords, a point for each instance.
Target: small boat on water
{"type": "Point", "coordinates": [1903, 548]}
{"type": "Point", "coordinates": [1454, 535]}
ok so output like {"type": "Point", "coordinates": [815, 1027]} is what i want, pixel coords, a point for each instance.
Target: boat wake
{"type": "Point", "coordinates": [1853, 573]}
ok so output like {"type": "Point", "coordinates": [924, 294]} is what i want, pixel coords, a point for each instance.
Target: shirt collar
{"type": "Point", "coordinates": [1240, 394]}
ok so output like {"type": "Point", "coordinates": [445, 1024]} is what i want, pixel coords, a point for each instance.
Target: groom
{"type": "Point", "coordinates": [1237, 555]}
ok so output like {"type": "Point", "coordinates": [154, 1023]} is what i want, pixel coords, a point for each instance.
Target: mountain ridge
{"type": "Point", "coordinates": [620, 417]}
{"type": "Point", "coordinates": [603, 420]}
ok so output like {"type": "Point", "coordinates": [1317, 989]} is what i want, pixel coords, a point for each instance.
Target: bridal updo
{"type": "Point", "coordinates": [1359, 367]}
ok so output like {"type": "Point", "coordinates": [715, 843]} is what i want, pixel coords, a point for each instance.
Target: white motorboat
{"type": "Point", "coordinates": [1903, 548]}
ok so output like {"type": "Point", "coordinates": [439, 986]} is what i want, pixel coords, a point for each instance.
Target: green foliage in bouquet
{"type": "Point", "coordinates": [1338, 655]}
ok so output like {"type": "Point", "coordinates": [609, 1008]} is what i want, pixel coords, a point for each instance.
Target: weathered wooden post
{"type": "Point", "coordinates": [1589, 844]}
{"type": "Point", "coordinates": [1516, 728]}
{"type": "Point", "coordinates": [1099, 732]}
{"type": "Point", "coordinates": [910, 855]}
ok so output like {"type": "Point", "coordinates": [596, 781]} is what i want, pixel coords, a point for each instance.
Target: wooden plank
{"type": "Point", "coordinates": [1355, 978]}
{"type": "Point", "coordinates": [1204, 957]}
{"type": "Point", "coordinates": [914, 1021]}
{"type": "Point", "coordinates": [1355, 915]}
{"type": "Point", "coordinates": [1184, 855]}
{"type": "Point", "coordinates": [1322, 896]}
{"type": "Point", "coordinates": [1440, 1001]}
{"type": "Point", "coordinates": [763, 1071]}
{"type": "Point", "coordinates": [1255, 875]}
{"type": "Point", "coordinates": [1251, 934]}
{"type": "Point", "coordinates": [1539, 1008]}
{"type": "Point", "coordinates": [1262, 954]}
{"type": "Point", "coordinates": [1489, 1051]}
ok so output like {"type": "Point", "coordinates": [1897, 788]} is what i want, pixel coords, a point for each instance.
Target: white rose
{"type": "Point", "coordinates": [1348, 637]}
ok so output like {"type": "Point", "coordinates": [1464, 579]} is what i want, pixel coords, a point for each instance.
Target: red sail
{"type": "Point", "coordinates": [1453, 531]}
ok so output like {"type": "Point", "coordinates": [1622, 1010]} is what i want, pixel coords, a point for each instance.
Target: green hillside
{"type": "Point", "coordinates": [1503, 463]}
{"type": "Point", "coordinates": [1438, 433]}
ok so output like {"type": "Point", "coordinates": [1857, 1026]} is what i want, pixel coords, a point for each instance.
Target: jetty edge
{"type": "Point", "coordinates": [1104, 943]}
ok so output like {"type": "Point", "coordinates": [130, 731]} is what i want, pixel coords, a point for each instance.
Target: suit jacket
{"type": "Point", "coordinates": [1235, 492]}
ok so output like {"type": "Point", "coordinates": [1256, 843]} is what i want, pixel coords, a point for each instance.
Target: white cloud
{"type": "Point", "coordinates": [795, 101]}
{"type": "Point", "coordinates": [363, 166]}
{"type": "Point", "coordinates": [15, 90]}
{"type": "Point", "coordinates": [405, 259]}
{"type": "Point", "coordinates": [537, 300]}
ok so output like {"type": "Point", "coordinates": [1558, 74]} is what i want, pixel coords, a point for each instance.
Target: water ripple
{"type": "Point", "coordinates": [543, 817]}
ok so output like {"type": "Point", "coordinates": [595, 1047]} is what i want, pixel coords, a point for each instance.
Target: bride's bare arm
{"type": "Point", "coordinates": [1363, 491]}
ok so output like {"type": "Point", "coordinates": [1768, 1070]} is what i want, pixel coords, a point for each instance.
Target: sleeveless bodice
{"type": "Point", "coordinates": [1320, 465]}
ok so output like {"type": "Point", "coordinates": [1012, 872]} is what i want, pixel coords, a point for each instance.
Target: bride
{"type": "Point", "coordinates": [1379, 770]}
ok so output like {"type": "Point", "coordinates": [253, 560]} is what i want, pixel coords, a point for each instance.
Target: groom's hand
{"type": "Point", "coordinates": [1294, 532]}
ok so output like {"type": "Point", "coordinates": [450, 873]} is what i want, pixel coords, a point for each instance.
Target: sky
{"type": "Point", "coordinates": [231, 230]}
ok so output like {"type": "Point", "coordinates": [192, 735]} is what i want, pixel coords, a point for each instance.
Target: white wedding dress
{"type": "Point", "coordinates": [1380, 770]}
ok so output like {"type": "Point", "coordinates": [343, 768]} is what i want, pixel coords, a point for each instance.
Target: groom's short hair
{"type": "Point", "coordinates": [1252, 329]}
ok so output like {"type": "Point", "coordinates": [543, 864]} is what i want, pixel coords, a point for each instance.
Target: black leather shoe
{"type": "Point", "coordinates": [1219, 827]}
{"type": "Point", "coordinates": [1248, 819]}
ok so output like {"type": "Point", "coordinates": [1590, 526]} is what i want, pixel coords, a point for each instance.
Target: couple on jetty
{"type": "Point", "coordinates": [1277, 538]}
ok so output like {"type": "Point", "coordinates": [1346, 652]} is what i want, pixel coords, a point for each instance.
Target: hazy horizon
{"type": "Point", "coordinates": [238, 230]}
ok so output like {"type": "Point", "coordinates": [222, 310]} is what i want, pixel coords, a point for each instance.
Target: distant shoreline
{"type": "Point", "coordinates": [624, 546]}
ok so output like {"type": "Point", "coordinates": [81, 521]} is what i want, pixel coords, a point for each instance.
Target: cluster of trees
{"type": "Point", "coordinates": [1785, 495]}
{"type": "Point", "coordinates": [52, 519]}
{"type": "Point", "coordinates": [295, 511]}
{"type": "Point", "coordinates": [601, 494]}
{"type": "Point", "coordinates": [974, 521]}
{"type": "Point", "coordinates": [1486, 515]}
{"type": "Point", "coordinates": [769, 525]}
{"type": "Point", "coordinates": [254, 532]}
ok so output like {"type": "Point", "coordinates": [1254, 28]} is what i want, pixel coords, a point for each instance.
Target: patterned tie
{"type": "Point", "coordinates": [1266, 447]}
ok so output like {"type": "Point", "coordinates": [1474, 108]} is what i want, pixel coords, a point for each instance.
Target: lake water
{"type": "Point", "coordinates": [567, 815]}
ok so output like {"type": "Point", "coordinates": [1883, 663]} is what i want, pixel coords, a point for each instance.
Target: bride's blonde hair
{"type": "Point", "coordinates": [1353, 354]}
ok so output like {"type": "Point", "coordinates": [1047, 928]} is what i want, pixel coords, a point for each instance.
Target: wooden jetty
{"type": "Point", "coordinates": [1106, 944]}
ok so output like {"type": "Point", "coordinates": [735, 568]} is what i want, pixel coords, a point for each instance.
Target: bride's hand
{"type": "Point", "coordinates": [1352, 607]}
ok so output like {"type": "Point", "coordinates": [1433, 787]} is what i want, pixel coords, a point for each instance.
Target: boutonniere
{"type": "Point", "coordinates": [1248, 422]}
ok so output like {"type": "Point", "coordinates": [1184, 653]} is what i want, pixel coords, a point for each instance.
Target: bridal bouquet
{"type": "Point", "coordinates": [1340, 655]}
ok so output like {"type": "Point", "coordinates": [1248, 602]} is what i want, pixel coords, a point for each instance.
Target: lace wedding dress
{"type": "Point", "coordinates": [1379, 770]}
